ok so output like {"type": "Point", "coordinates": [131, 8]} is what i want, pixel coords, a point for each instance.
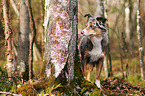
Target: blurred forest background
{"type": "Point", "coordinates": [123, 36]}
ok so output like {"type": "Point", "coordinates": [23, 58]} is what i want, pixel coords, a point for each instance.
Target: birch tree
{"type": "Point", "coordinates": [60, 25]}
{"type": "Point", "coordinates": [139, 35]}
{"type": "Point", "coordinates": [127, 19]}
{"type": "Point", "coordinates": [23, 41]}
{"type": "Point", "coordinates": [8, 37]}
{"type": "Point", "coordinates": [102, 10]}
{"type": "Point", "coordinates": [109, 66]}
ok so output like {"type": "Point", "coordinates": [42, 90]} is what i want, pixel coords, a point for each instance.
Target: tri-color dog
{"type": "Point", "coordinates": [92, 46]}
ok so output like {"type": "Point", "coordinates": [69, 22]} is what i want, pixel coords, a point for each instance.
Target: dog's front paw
{"type": "Point", "coordinates": [98, 83]}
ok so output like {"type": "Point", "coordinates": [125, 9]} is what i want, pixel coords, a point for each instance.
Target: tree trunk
{"type": "Point", "coordinates": [139, 35]}
{"type": "Point", "coordinates": [100, 8]}
{"type": "Point", "coordinates": [60, 25]}
{"type": "Point", "coordinates": [33, 29]}
{"type": "Point", "coordinates": [127, 19]}
{"type": "Point", "coordinates": [108, 57]}
{"type": "Point", "coordinates": [23, 41]}
{"type": "Point", "coordinates": [132, 17]}
{"type": "Point", "coordinates": [8, 38]}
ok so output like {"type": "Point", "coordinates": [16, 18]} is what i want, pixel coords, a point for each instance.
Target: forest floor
{"type": "Point", "coordinates": [114, 86]}
{"type": "Point", "coordinates": [118, 86]}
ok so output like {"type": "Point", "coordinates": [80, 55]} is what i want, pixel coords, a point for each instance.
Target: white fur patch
{"type": "Point", "coordinates": [98, 83]}
{"type": "Point", "coordinates": [96, 52]}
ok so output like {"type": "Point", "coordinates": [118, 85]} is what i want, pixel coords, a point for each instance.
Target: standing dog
{"type": "Point", "coordinates": [92, 46]}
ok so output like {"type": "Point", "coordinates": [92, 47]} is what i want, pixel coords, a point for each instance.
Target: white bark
{"type": "Point", "coordinates": [127, 26]}
{"type": "Point", "coordinates": [8, 38]}
{"type": "Point", "coordinates": [59, 25]}
{"type": "Point", "coordinates": [140, 39]}
{"type": "Point", "coordinates": [99, 8]}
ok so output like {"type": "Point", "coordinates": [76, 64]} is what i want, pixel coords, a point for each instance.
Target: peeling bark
{"type": "Point", "coordinates": [60, 25]}
{"type": "Point", "coordinates": [8, 37]}
{"type": "Point", "coordinates": [139, 35]}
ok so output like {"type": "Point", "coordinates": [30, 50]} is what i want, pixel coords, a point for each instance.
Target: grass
{"type": "Point", "coordinates": [134, 74]}
{"type": "Point", "coordinates": [136, 80]}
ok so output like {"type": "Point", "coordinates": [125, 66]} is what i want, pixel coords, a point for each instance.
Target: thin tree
{"type": "Point", "coordinates": [139, 35]}
{"type": "Point", "coordinates": [8, 37]}
{"type": "Point", "coordinates": [23, 41]}
{"type": "Point", "coordinates": [106, 8]}
{"type": "Point", "coordinates": [33, 29]}
{"type": "Point", "coordinates": [127, 33]}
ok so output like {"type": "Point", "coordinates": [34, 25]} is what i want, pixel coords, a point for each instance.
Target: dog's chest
{"type": "Point", "coordinates": [96, 52]}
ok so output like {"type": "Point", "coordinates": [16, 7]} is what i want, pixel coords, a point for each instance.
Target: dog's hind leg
{"type": "Point", "coordinates": [89, 68]}
{"type": "Point", "coordinates": [98, 72]}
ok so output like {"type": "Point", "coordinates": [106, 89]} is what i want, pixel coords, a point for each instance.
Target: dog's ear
{"type": "Point", "coordinates": [88, 15]}
{"type": "Point", "coordinates": [101, 20]}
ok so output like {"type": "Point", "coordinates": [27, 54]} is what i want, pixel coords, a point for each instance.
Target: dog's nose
{"type": "Point", "coordinates": [82, 32]}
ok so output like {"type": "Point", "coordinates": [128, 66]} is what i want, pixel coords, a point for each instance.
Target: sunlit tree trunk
{"type": "Point", "coordinates": [109, 66]}
{"type": "Point", "coordinates": [23, 41]}
{"type": "Point", "coordinates": [8, 37]}
{"type": "Point", "coordinates": [139, 35]}
{"type": "Point", "coordinates": [60, 25]}
{"type": "Point", "coordinates": [127, 19]}
{"type": "Point", "coordinates": [100, 8]}
{"type": "Point", "coordinates": [127, 35]}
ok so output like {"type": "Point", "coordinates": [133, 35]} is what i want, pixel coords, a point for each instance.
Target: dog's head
{"type": "Point", "coordinates": [95, 25]}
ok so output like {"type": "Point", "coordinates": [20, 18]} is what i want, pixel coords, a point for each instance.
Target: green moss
{"type": "Point", "coordinates": [26, 90]}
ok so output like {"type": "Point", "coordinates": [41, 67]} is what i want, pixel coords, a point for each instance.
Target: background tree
{"type": "Point", "coordinates": [108, 56]}
{"type": "Point", "coordinates": [23, 41]}
{"type": "Point", "coordinates": [32, 39]}
{"type": "Point", "coordinates": [139, 35]}
{"type": "Point", "coordinates": [8, 37]}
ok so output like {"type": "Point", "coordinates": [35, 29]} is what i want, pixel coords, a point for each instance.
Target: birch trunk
{"type": "Point", "coordinates": [23, 41]}
{"type": "Point", "coordinates": [8, 37]}
{"type": "Point", "coordinates": [127, 19]}
{"type": "Point", "coordinates": [60, 25]}
{"type": "Point", "coordinates": [139, 35]}
{"type": "Point", "coordinates": [107, 66]}
{"type": "Point", "coordinates": [127, 31]}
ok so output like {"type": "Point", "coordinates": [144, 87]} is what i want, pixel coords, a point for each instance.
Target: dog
{"type": "Point", "coordinates": [92, 46]}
